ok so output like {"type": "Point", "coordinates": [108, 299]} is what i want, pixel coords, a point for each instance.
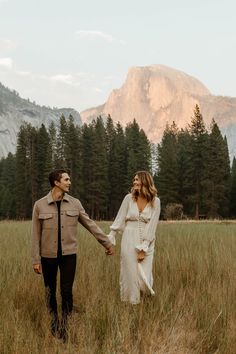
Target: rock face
{"type": "Point", "coordinates": [14, 111]}
{"type": "Point", "coordinates": [157, 95]}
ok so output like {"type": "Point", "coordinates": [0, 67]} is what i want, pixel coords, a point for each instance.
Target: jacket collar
{"type": "Point", "coordinates": [50, 199]}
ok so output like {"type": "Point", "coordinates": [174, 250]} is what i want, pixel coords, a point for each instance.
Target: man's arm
{"type": "Point", "coordinates": [95, 230]}
{"type": "Point", "coordinates": [36, 240]}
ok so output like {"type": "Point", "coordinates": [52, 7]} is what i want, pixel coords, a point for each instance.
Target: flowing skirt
{"type": "Point", "coordinates": [134, 277]}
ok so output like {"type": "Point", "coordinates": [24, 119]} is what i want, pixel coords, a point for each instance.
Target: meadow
{"type": "Point", "coordinates": [193, 311]}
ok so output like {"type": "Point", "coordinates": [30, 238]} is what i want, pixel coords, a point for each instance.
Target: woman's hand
{"type": "Point", "coordinates": [37, 268]}
{"type": "Point", "coordinates": [110, 250]}
{"type": "Point", "coordinates": [141, 256]}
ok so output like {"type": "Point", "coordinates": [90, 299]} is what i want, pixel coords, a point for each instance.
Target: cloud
{"type": "Point", "coordinates": [98, 90]}
{"type": "Point", "coordinates": [64, 78]}
{"type": "Point", "coordinates": [24, 73]}
{"type": "Point", "coordinates": [95, 34]}
{"type": "Point", "coordinates": [67, 79]}
{"type": "Point", "coordinates": [6, 62]}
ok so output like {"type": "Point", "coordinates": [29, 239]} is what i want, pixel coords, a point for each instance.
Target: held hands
{"type": "Point", "coordinates": [37, 268]}
{"type": "Point", "coordinates": [109, 250]}
{"type": "Point", "coordinates": [141, 256]}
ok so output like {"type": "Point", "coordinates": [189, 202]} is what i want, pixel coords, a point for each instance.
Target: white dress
{"type": "Point", "coordinates": [138, 230]}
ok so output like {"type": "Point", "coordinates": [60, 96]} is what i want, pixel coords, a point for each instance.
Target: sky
{"type": "Point", "coordinates": [73, 53]}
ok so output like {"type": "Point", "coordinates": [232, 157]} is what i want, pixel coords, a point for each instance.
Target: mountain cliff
{"type": "Point", "coordinates": [15, 110]}
{"type": "Point", "coordinates": [156, 95]}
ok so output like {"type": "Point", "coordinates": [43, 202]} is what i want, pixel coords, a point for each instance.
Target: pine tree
{"type": "Point", "coordinates": [26, 178]}
{"type": "Point", "coordinates": [217, 183]}
{"type": "Point", "coordinates": [61, 144]}
{"type": "Point", "coordinates": [227, 179]}
{"type": "Point", "coordinates": [198, 157]}
{"type": "Point", "coordinates": [32, 167]}
{"type": "Point", "coordinates": [167, 172]}
{"type": "Point", "coordinates": [7, 187]}
{"type": "Point", "coordinates": [87, 168]}
{"type": "Point", "coordinates": [233, 189]}
{"type": "Point", "coordinates": [120, 153]}
{"type": "Point", "coordinates": [112, 164]}
{"type": "Point", "coordinates": [100, 177]}
{"type": "Point", "coordinates": [43, 161]}
{"type": "Point", "coordinates": [185, 170]}
{"type": "Point", "coordinates": [138, 150]}
{"type": "Point", "coordinates": [53, 158]}
{"type": "Point", "coordinates": [116, 152]}
{"type": "Point", "coordinates": [73, 155]}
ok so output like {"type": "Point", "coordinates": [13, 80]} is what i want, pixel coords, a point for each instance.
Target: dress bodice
{"type": "Point", "coordinates": [133, 213]}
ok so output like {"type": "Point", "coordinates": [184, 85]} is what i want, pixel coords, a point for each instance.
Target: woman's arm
{"type": "Point", "coordinates": [119, 223]}
{"type": "Point", "coordinates": [150, 228]}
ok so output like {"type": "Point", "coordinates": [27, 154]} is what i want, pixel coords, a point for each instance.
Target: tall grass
{"type": "Point", "coordinates": [194, 310]}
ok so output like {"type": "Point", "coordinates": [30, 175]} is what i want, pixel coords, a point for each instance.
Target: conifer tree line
{"type": "Point", "coordinates": [100, 157]}
{"type": "Point", "coordinates": [194, 170]}
{"type": "Point", "coordinates": [191, 167]}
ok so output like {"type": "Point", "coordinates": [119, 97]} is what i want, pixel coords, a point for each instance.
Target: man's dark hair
{"type": "Point", "coordinates": [55, 176]}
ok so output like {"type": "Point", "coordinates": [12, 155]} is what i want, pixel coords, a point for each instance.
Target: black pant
{"type": "Point", "coordinates": [67, 265]}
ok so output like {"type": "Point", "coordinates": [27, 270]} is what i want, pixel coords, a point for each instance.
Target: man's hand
{"type": "Point", "coordinates": [141, 256]}
{"type": "Point", "coordinates": [110, 251]}
{"type": "Point", "coordinates": [37, 268]}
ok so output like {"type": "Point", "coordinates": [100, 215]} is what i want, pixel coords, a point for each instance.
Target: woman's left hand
{"type": "Point", "coordinates": [141, 256]}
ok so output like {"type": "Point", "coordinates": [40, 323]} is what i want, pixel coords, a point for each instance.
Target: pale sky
{"type": "Point", "coordinates": [72, 53]}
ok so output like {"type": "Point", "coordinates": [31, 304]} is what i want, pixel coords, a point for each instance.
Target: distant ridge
{"type": "Point", "coordinates": [15, 110]}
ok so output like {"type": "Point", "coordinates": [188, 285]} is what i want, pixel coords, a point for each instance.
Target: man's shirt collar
{"type": "Point", "coordinates": [50, 199]}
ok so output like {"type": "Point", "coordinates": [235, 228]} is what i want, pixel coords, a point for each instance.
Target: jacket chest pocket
{"type": "Point", "coordinates": [72, 217]}
{"type": "Point", "coordinates": [46, 220]}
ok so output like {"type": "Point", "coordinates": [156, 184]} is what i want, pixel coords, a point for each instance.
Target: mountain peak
{"type": "Point", "coordinates": [157, 94]}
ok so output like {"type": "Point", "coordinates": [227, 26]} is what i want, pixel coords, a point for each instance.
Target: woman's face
{"type": "Point", "coordinates": [137, 183]}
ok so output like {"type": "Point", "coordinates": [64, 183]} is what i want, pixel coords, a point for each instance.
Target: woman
{"type": "Point", "coordinates": [137, 219]}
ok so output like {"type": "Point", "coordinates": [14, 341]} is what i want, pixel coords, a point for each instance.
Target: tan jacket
{"type": "Point", "coordinates": [45, 227]}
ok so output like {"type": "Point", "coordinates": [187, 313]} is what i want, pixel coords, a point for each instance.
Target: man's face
{"type": "Point", "coordinates": [64, 183]}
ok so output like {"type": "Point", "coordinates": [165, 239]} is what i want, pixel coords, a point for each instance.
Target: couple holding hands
{"type": "Point", "coordinates": [54, 241]}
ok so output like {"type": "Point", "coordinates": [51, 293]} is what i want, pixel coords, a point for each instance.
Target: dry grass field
{"type": "Point", "coordinates": [194, 310]}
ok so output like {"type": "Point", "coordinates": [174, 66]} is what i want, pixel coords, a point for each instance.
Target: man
{"type": "Point", "coordinates": [54, 244]}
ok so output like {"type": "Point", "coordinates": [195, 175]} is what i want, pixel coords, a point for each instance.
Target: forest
{"type": "Point", "coordinates": [191, 167]}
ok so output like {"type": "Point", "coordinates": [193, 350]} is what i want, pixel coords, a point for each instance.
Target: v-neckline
{"type": "Point", "coordinates": [140, 211]}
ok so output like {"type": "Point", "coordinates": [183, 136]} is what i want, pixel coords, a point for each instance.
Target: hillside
{"type": "Point", "coordinates": [15, 110]}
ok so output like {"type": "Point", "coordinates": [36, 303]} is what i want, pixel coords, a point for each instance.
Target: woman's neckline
{"type": "Point", "coordinates": [139, 210]}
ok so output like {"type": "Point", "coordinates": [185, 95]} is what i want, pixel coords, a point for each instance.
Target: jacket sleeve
{"type": "Point", "coordinates": [149, 232]}
{"type": "Point", "coordinates": [119, 222]}
{"type": "Point", "coordinates": [93, 228]}
{"type": "Point", "coordinates": [36, 236]}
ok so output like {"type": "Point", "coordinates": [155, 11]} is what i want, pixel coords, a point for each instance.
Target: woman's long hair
{"type": "Point", "coordinates": [148, 189]}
